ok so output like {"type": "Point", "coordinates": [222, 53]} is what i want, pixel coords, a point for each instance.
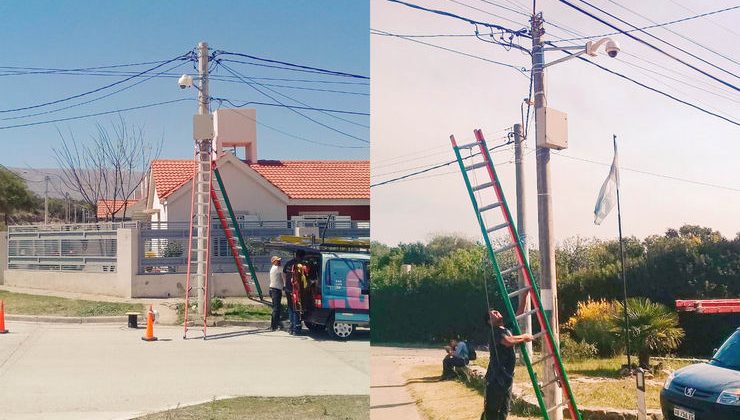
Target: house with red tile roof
{"type": "Point", "coordinates": [265, 190]}
{"type": "Point", "coordinates": [108, 209]}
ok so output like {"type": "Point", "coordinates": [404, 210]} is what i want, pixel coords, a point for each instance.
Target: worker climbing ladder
{"type": "Point", "coordinates": [486, 198]}
{"type": "Point", "coordinates": [234, 237]}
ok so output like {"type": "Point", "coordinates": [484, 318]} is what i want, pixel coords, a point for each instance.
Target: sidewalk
{"type": "Point", "coordinates": [389, 395]}
{"type": "Point", "coordinates": [108, 372]}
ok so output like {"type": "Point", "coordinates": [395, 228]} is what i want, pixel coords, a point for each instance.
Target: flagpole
{"type": "Point", "coordinates": [624, 278]}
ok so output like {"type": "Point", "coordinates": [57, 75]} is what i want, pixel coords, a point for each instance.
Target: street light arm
{"type": "Point", "coordinates": [566, 58]}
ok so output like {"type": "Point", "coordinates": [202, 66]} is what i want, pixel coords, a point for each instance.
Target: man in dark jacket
{"type": "Point", "coordinates": [500, 373]}
{"type": "Point", "coordinates": [295, 322]}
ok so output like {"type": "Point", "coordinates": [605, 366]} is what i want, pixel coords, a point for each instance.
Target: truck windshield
{"type": "Point", "coordinates": [344, 272]}
{"type": "Point", "coordinates": [728, 356]}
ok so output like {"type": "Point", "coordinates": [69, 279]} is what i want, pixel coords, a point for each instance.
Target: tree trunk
{"type": "Point", "coordinates": [643, 356]}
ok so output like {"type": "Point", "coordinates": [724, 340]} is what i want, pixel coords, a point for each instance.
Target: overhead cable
{"type": "Point", "coordinates": [646, 43]}
{"type": "Point", "coordinates": [252, 84]}
{"type": "Point", "coordinates": [187, 56]}
{"type": "Point", "coordinates": [285, 63]}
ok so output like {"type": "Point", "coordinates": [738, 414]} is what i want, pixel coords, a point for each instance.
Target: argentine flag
{"type": "Point", "coordinates": [608, 194]}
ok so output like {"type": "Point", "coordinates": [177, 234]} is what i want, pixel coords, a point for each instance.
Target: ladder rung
{"type": "Point", "coordinates": [505, 248]}
{"type": "Point", "coordinates": [525, 314]}
{"type": "Point", "coordinates": [469, 145]}
{"type": "Point", "coordinates": [512, 269]}
{"type": "Point", "coordinates": [562, 404]}
{"type": "Point", "coordinates": [481, 186]}
{"type": "Point", "coordinates": [497, 227]}
{"type": "Point", "coordinates": [542, 359]}
{"type": "Point", "coordinates": [475, 166]}
{"type": "Point", "coordinates": [538, 335]}
{"type": "Point", "coordinates": [519, 292]}
{"type": "Point", "coordinates": [488, 207]}
{"type": "Point", "coordinates": [550, 382]}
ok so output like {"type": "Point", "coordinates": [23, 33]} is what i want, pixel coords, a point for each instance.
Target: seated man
{"type": "Point", "coordinates": [457, 355]}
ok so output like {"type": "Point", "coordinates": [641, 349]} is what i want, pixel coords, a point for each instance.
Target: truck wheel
{"type": "Point", "coordinates": [339, 330]}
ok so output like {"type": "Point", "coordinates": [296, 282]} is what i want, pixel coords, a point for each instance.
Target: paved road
{"type": "Point", "coordinates": [389, 397]}
{"type": "Point", "coordinates": [108, 372]}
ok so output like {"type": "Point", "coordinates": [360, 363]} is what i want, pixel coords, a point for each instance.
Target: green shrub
{"type": "Point", "coordinates": [573, 350]}
{"type": "Point", "coordinates": [216, 304]}
{"type": "Point", "coordinates": [593, 323]}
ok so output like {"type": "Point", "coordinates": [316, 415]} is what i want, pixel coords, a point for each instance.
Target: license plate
{"type": "Point", "coordinates": [683, 413]}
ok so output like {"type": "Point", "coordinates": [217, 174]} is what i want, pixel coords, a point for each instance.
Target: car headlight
{"type": "Point", "coordinates": [668, 381]}
{"type": "Point", "coordinates": [729, 396]}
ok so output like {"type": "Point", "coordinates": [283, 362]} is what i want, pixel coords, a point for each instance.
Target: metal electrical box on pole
{"type": "Point", "coordinates": [552, 133]}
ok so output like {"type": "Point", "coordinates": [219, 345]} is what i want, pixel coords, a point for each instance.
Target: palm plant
{"type": "Point", "coordinates": [653, 328]}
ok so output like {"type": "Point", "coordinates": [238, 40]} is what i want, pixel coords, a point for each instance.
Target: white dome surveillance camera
{"type": "Point", "coordinates": [612, 48]}
{"type": "Point", "coordinates": [185, 81]}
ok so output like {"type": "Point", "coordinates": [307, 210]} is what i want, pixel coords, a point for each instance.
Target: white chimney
{"type": "Point", "coordinates": [236, 128]}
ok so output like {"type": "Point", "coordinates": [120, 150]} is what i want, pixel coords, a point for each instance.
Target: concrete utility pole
{"type": "Point", "coordinates": [202, 184]}
{"type": "Point", "coordinates": [548, 280]}
{"type": "Point", "coordinates": [525, 324]}
{"type": "Point", "coordinates": [46, 199]}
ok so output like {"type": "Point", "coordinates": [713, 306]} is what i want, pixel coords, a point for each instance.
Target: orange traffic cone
{"type": "Point", "coordinates": [149, 326]}
{"type": "Point", "coordinates": [2, 318]}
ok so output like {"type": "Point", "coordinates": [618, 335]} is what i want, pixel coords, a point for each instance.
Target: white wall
{"type": "Point", "coordinates": [3, 254]}
{"type": "Point", "coordinates": [173, 285]}
{"type": "Point", "coordinates": [246, 196]}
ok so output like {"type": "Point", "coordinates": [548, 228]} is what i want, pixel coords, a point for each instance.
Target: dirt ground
{"type": "Point", "coordinates": [435, 399]}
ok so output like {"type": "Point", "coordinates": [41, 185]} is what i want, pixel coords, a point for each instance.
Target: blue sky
{"type": "Point", "coordinates": [73, 34]}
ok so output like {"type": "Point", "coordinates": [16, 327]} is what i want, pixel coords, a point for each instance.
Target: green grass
{"type": "Point", "coordinates": [240, 311]}
{"type": "Point", "coordinates": [608, 389]}
{"type": "Point", "coordinates": [328, 407]}
{"type": "Point", "coordinates": [234, 312]}
{"type": "Point", "coordinates": [25, 304]}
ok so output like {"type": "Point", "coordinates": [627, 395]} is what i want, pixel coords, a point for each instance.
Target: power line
{"type": "Point", "coordinates": [690, 181]}
{"type": "Point", "coordinates": [421, 166]}
{"type": "Point", "coordinates": [521, 70]}
{"type": "Point", "coordinates": [647, 43]}
{"type": "Point", "coordinates": [519, 12]}
{"type": "Point", "coordinates": [264, 85]}
{"type": "Point", "coordinates": [431, 168]}
{"type": "Point", "coordinates": [715, 23]}
{"type": "Point", "coordinates": [84, 72]}
{"type": "Point", "coordinates": [521, 32]}
{"type": "Point", "coordinates": [97, 114]}
{"type": "Point", "coordinates": [656, 25]}
{"type": "Point", "coordinates": [111, 66]}
{"type": "Point", "coordinates": [297, 137]}
{"type": "Point", "coordinates": [252, 85]}
{"type": "Point", "coordinates": [51, 111]}
{"type": "Point", "coordinates": [486, 12]}
{"type": "Point", "coordinates": [678, 33]}
{"type": "Point", "coordinates": [345, 92]}
{"type": "Point", "coordinates": [245, 103]}
{"type": "Point", "coordinates": [667, 69]}
{"type": "Point", "coordinates": [651, 88]}
{"type": "Point", "coordinates": [187, 56]}
{"type": "Point", "coordinates": [285, 63]}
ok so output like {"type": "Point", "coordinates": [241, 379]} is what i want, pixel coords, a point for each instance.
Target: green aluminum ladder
{"type": "Point", "coordinates": [482, 160]}
{"type": "Point", "coordinates": [232, 230]}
